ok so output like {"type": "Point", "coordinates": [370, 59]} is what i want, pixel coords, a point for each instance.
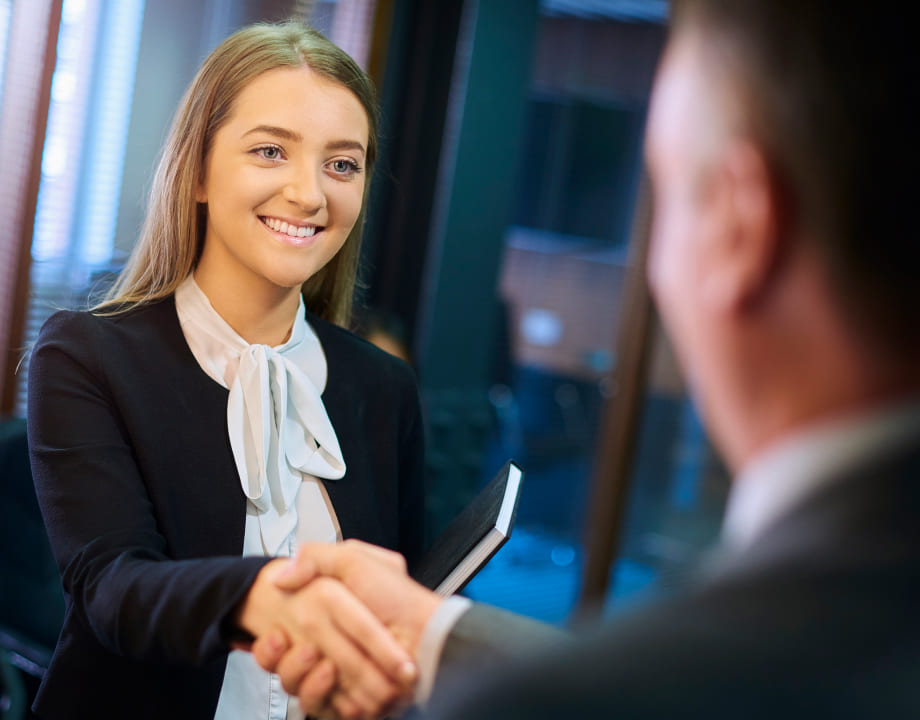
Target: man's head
{"type": "Point", "coordinates": [780, 150]}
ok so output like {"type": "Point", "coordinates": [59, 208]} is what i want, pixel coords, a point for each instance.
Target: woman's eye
{"type": "Point", "coordinates": [345, 167]}
{"type": "Point", "coordinates": [269, 152]}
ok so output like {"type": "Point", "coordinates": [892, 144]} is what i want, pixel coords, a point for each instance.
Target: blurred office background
{"type": "Point", "coordinates": [505, 239]}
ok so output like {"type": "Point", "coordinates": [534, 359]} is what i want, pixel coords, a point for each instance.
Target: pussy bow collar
{"type": "Point", "coordinates": [278, 426]}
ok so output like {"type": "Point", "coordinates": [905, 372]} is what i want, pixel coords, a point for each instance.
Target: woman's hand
{"type": "Point", "coordinates": [378, 578]}
{"type": "Point", "coordinates": [323, 630]}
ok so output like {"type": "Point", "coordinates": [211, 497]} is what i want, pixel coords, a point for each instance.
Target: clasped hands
{"type": "Point", "coordinates": [340, 625]}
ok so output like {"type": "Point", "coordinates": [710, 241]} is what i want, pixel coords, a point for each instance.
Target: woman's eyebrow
{"type": "Point", "coordinates": [345, 145]}
{"type": "Point", "coordinates": [280, 132]}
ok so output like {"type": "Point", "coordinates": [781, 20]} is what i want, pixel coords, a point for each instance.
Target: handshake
{"type": "Point", "coordinates": [340, 624]}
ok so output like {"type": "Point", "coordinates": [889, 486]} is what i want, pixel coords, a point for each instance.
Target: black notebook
{"type": "Point", "coordinates": [474, 536]}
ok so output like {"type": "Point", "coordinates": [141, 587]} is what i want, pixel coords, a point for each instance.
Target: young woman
{"type": "Point", "coordinates": [213, 413]}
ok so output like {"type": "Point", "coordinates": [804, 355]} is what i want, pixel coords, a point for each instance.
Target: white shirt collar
{"type": "Point", "coordinates": [785, 473]}
{"type": "Point", "coordinates": [217, 346]}
{"type": "Point", "coordinates": [278, 426]}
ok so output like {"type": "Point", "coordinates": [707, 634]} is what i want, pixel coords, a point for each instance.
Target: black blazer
{"type": "Point", "coordinates": [144, 509]}
{"type": "Point", "coordinates": [820, 619]}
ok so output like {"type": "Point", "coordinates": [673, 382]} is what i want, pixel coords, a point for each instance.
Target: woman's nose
{"type": "Point", "coordinates": [305, 189]}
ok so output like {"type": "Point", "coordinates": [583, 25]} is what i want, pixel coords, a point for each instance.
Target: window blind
{"type": "Point", "coordinates": [82, 160]}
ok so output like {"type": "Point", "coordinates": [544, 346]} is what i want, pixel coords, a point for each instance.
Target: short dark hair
{"type": "Point", "coordinates": [831, 90]}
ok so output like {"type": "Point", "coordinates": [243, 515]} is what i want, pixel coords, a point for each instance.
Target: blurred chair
{"type": "Point", "coordinates": [31, 600]}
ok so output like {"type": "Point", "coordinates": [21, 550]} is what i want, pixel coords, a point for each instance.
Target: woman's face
{"type": "Point", "coordinates": [284, 181]}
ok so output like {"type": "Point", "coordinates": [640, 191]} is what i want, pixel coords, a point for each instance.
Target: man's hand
{"type": "Point", "coordinates": [376, 577]}
{"type": "Point", "coordinates": [322, 619]}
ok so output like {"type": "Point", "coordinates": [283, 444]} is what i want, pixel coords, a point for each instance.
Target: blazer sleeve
{"type": "Point", "coordinates": [486, 637]}
{"type": "Point", "coordinates": [118, 578]}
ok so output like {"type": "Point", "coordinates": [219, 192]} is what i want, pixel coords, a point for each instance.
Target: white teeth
{"type": "Point", "coordinates": [290, 230]}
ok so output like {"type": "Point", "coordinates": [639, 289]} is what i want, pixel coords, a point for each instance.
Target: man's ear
{"type": "Point", "coordinates": [745, 230]}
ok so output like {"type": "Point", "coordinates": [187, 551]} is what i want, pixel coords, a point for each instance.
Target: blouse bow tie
{"type": "Point", "coordinates": [278, 426]}
{"type": "Point", "coordinates": [279, 430]}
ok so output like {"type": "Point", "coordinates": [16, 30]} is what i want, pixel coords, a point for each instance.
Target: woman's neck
{"type": "Point", "coordinates": [260, 315]}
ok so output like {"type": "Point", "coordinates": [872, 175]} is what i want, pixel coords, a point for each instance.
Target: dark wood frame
{"type": "Point", "coordinates": [412, 59]}
{"type": "Point", "coordinates": [619, 433]}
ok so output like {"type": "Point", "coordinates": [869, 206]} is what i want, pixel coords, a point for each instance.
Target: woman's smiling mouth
{"type": "Point", "coordinates": [290, 229]}
{"type": "Point", "coordinates": [290, 233]}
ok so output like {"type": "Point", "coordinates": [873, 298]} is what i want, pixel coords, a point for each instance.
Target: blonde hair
{"type": "Point", "coordinates": [172, 236]}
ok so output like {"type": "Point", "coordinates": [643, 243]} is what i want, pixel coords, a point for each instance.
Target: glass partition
{"type": "Point", "coordinates": [563, 255]}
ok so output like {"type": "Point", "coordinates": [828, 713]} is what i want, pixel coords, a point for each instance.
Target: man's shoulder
{"type": "Point", "coordinates": [778, 636]}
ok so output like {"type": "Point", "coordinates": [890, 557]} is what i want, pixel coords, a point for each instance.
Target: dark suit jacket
{"type": "Point", "coordinates": [144, 509]}
{"type": "Point", "coordinates": [820, 619]}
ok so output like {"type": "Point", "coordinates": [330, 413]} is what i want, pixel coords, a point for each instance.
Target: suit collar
{"type": "Point", "coordinates": [787, 473]}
